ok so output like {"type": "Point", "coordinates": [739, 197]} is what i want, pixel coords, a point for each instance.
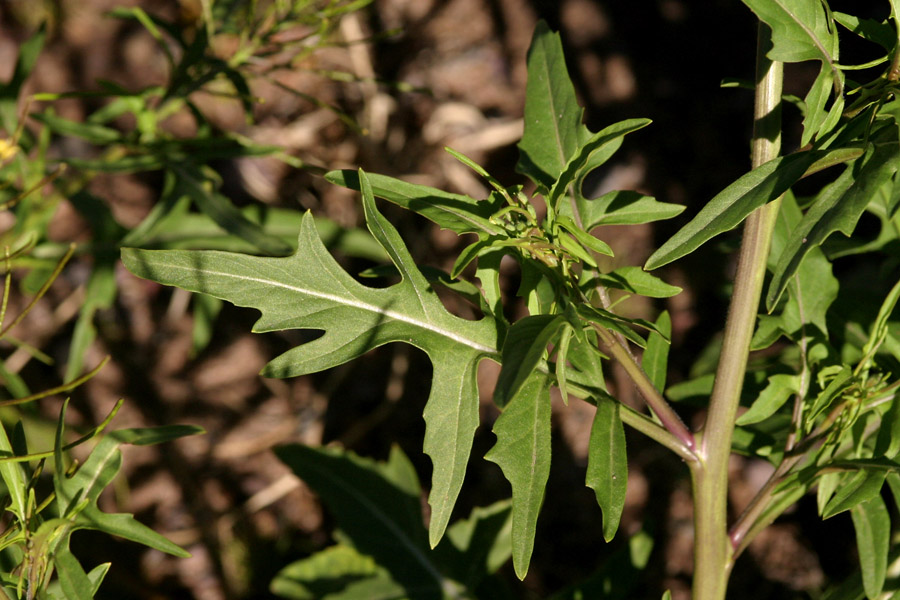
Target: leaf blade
{"type": "Point", "coordinates": [522, 452]}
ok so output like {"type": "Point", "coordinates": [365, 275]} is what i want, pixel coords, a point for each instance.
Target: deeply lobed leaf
{"type": "Point", "coordinates": [309, 290]}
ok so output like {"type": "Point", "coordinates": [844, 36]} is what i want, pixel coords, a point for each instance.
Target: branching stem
{"type": "Point", "coordinates": [667, 416]}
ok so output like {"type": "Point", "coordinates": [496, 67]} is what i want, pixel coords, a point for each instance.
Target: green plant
{"type": "Point", "coordinates": [820, 402]}
{"type": "Point", "coordinates": [126, 133]}
{"type": "Point", "coordinates": [38, 526]}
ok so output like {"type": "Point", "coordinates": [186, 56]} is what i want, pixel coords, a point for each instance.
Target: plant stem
{"type": "Point", "coordinates": [667, 416]}
{"type": "Point", "coordinates": [713, 552]}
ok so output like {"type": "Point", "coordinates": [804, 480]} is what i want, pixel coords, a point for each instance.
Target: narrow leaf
{"type": "Point", "coordinates": [553, 128]}
{"type": "Point", "coordinates": [582, 156]}
{"type": "Point", "coordinates": [522, 452]}
{"type": "Point", "coordinates": [90, 132]}
{"type": "Point", "coordinates": [838, 208]}
{"type": "Point", "coordinates": [526, 342]}
{"type": "Point", "coordinates": [656, 356]}
{"type": "Point", "coordinates": [326, 574]}
{"type": "Point", "coordinates": [873, 531]}
{"type": "Point", "coordinates": [73, 581]}
{"type": "Point", "coordinates": [227, 216]}
{"type": "Point", "coordinates": [456, 212]}
{"type": "Point", "coordinates": [862, 487]}
{"type": "Point", "coordinates": [733, 204]}
{"type": "Point", "coordinates": [779, 389]}
{"type": "Point", "coordinates": [479, 545]}
{"type": "Point", "coordinates": [620, 208]}
{"type": "Point", "coordinates": [638, 281]}
{"type": "Point", "coordinates": [607, 471]}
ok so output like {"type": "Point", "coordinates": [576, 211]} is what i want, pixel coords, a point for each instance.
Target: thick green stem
{"type": "Point", "coordinates": [713, 551]}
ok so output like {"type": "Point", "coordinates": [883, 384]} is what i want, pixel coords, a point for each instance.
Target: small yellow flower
{"type": "Point", "coordinates": [8, 149]}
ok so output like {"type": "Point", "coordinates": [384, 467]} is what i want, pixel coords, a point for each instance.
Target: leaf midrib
{"type": "Point", "coordinates": [449, 334]}
{"type": "Point", "coordinates": [825, 54]}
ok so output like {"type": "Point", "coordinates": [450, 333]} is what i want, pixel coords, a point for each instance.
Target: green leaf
{"type": "Point", "coordinates": [127, 164]}
{"type": "Point", "coordinates": [456, 212]}
{"type": "Point", "coordinates": [620, 208]}
{"type": "Point", "coordinates": [525, 345]}
{"type": "Point", "coordinates": [488, 273]}
{"type": "Point", "coordinates": [581, 158]}
{"type": "Point", "coordinates": [780, 388]}
{"type": "Point", "coordinates": [205, 310]}
{"type": "Point", "coordinates": [815, 101]}
{"type": "Point", "coordinates": [583, 237]}
{"type": "Point", "coordinates": [828, 483]}
{"type": "Point", "coordinates": [887, 443]}
{"type": "Point", "coordinates": [733, 204]}
{"type": "Point", "coordinates": [862, 487]}
{"type": "Point", "coordinates": [328, 573]}
{"type": "Point", "coordinates": [91, 132]}
{"type": "Point", "coordinates": [698, 387]}
{"type": "Point", "coordinates": [801, 30]}
{"type": "Point", "coordinates": [813, 289]}
{"type": "Point", "coordinates": [638, 281]}
{"type": "Point", "coordinates": [837, 208]}
{"type": "Point", "coordinates": [615, 322]}
{"type": "Point", "coordinates": [523, 453]}
{"type": "Point", "coordinates": [226, 215]}
{"type": "Point", "coordinates": [376, 505]}
{"type": "Point", "coordinates": [309, 290]}
{"type": "Point", "coordinates": [77, 496]}
{"type": "Point", "coordinates": [873, 531]}
{"type": "Point", "coordinates": [553, 127]}
{"type": "Point", "coordinates": [73, 581]}
{"type": "Point", "coordinates": [880, 33]}
{"type": "Point", "coordinates": [476, 547]}
{"type": "Point", "coordinates": [100, 294]}
{"type": "Point", "coordinates": [562, 355]}
{"type": "Point", "coordinates": [836, 386]}
{"type": "Point", "coordinates": [607, 470]}
{"type": "Point", "coordinates": [879, 331]}
{"type": "Point", "coordinates": [656, 356]}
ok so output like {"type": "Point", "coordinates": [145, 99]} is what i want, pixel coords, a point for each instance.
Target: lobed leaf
{"type": "Point", "coordinates": [309, 290]}
{"type": "Point", "coordinates": [76, 496]}
{"type": "Point", "coordinates": [801, 30]}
